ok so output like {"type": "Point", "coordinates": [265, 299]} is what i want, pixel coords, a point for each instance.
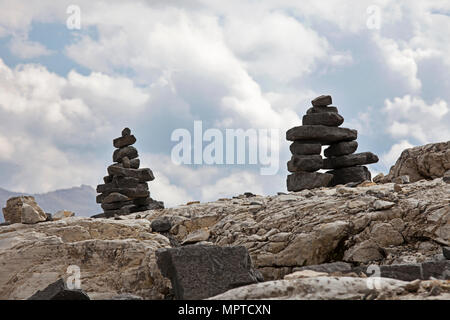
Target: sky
{"type": "Point", "coordinates": [73, 74]}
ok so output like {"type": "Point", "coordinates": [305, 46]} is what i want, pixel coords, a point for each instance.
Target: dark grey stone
{"type": "Point", "coordinates": [446, 252]}
{"type": "Point", "coordinates": [161, 225]}
{"type": "Point", "coordinates": [142, 174]}
{"type": "Point", "coordinates": [108, 179]}
{"type": "Point", "coordinates": [130, 152]}
{"type": "Point", "coordinates": [322, 109]}
{"type": "Point", "coordinates": [115, 197]}
{"type": "Point", "coordinates": [349, 160]}
{"type": "Point", "coordinates": [307, 180]}
{"type": "Point", "coordinates": [436, 269]}
{"type": "Point", "coordinates": [125, 182]}
{"type": "Point", "coordinates": [321, 134]}
{"type": "Point", "coordinates": [49, 217]}
{"type": "Point", "coordinates": [308, 163]}
{"type": "Point", "coordinates": [155, 205]}
{"type": "Point", "coordinates": [351, 174]}
{"type": "Point", "coordinates": [341, 149]}
{"type": "Point", "coordinates": [297, 147]}
{"type": "Point", "coordinates": [116, 205]}
{"type": "Point", "coordinates": [126, 163]}
{"type": "Point", "coordinates": [126, 132]}
{"type": "Point", "coordinates": [124, 141]}
{"type": "Point", "coordinates": [323, 100]}
{"type": "Point", "coordinates": [330, 119]}
{"type": "Point", "coordinates": [201, 271]}
{"type": "Point", "coordinates": [59, 291]}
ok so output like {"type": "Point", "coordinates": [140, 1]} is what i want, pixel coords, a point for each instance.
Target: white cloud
{"type": "Point", "coordinates": [26, 49]}
{"type": "Point", "coordinates": [412, 117]}
{"type": "Point", "coordinates": [388, 159]}
{"type": "Point", "coordinates": [49, 134]}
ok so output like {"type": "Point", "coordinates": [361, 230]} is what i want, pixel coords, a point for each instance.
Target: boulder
{"type": "Point", "coordinates": [351, 174]}
{"type": "Point", "coordinates": [59, 291]}
{"type": "Point", "coordinates": [308, 163]}
{"type": "Point", "coordinates": [124, 141]}
{"type": "Point", "coordinates": [13, 210]}
{"type": "Point", "coordinates": [31, 216]}
{"type": "Point", "coordinates": [161, 225]}
{"type": "Point", "coordinates": [130, 152]}
{"type": "Point", "coordinates": [430, 161]}
{"type": "Point", "coordinates": [307, 180]}
{"type": "Point", "coordinates": [322, 109]}
{"type": "Point", "coordinates": [63, 214]}
{"type": "Point", "coordinates": [323, 100]}
{"type": "Point", "coordinates": [349, 160]}
{"type": "Point", "coordinates": [202, 271]}
{"type": "Point", "coordinates": [341, 149]}
{"type": "Point", "coordinates": [330, 119]}
{"type": "Point", "coordinates": [321, 134]}
{"type": "Point", "coordinates": [297, 147]}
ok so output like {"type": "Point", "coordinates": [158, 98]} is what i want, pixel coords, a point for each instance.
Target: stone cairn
{"type": "Point", "coordinates": [321, 127]}
{"type": "Point", "coordinates": [125, 189]}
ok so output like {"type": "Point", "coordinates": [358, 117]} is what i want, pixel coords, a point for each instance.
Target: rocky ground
{"type": "Point", "coordinates": [383, 224]}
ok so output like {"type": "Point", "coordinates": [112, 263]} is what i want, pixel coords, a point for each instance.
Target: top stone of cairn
{"type": "Point", "coordinates": [322, 101]}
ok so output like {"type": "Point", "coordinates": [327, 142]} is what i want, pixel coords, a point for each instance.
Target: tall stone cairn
{"type": "Point", "coordinates": [321, 127]}
{"type": "Point", "coordinates": [125, 189]}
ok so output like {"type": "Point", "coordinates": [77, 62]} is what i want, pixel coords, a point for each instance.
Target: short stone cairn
{"type": "Point", "coordinates": [321, 127]}
{"type": "Point", "coordinates": [125, 189]}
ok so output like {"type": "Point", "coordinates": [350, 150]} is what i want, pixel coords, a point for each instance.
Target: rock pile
{"type": "Point", "coordinates": [125, 189]}
{"type": "Point", "coordinates": [23, 209]}
{"type": "Point", "coordinates": [321, 127]}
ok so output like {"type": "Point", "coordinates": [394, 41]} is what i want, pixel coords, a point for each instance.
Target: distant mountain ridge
{"type": "Point", "coordinates": [80, 200]}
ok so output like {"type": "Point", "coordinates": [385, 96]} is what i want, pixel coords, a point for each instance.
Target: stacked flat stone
{"type": "Point", "coordinates": [321, 126]}
{"type": "Point", "coordinates": [125, 189]}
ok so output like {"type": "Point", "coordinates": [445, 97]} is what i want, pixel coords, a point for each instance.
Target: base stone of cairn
{"type": "Point", "coordinates": [321, 126]}
{"type": "Point", "coordinates": [125, 189]}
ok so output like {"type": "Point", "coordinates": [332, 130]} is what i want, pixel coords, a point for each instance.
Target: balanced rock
{"type": "Point", "coordinates": [124, 141]}
{"type": "Point", "coordinates": [341, 148]}
{"type": "Point", "coordinates": [142, 175]}
{"type": "Point", "coordinates": [125, 189]}
{"type": "Point", "coordinates": [321, 134]}
{"type": "Point", "coordinates": [307, 180]}
{"type": "Point", "coordinates": [330, 119]}
{"type": "Point", "coordinates": [308, 163]}
{"type": "Point", "coordinates": [129, 152]}
{"type": "Point", "coordinates": [300, 148]}
{"type": "Point", "coordinates": [323, 100]}
{"type": "Point", "coordinates": [322, 109]}
{"type": "Point", "coordinates": [202, 271]}
{"type": "Point", "coordinates": [349, 160]}
{"type": "Point", "coordinates": [350, 174]}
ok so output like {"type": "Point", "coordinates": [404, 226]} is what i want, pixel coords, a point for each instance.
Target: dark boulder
{"type": "Point", "coordinates": [330, 119]}
{"type": "Point", "coordinates": [341, 149]}
{"type": "Point", "coordinates": [202, 271]}
{"type": "Point", "coordinates": [300, 148]}
{"type": "Point", "coordinates": [307, 180]}
{"type": "Point", "coordinates": [308, 163]}
{"type": "Point", "coordinates": [349, 160]}
{"type": "Point", "coordinates": [321, 134]}
{"type": "Point", "coordinates": [351, 174]}
{"type": "Point", "coordinates": [59, 291]}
